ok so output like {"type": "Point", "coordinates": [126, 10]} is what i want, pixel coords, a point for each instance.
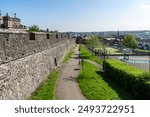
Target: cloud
{"type": "Point", "coordinates": [145, 7]}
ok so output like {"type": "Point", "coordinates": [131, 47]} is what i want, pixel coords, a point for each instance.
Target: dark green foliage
{"type": "Point", "coordinates": [93, 42]}
{"type": "Point", "coordinates": [130, 42]}
{"type": "Point", "coordinates": [133, 80]}
{"type": "Point", "coordinates": [34, 28]}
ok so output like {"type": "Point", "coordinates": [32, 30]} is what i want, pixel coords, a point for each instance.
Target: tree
{"type": "Point", "coordinates": [93, 42]}
{"type": "Point", "coordinates": [130, 42]}
{"type": "Point", "coordinates": [34, 28]}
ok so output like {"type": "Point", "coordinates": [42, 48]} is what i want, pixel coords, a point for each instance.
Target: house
{"type": "Point", "coordinates": [80, 40]}
{"type": "Point", "coordinates": [11, 23]}
{"type": "Point", "coordinates": [144, 44]}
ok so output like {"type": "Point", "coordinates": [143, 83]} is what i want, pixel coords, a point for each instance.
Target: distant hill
{"type": "Point", "coordinates": [143, 34]}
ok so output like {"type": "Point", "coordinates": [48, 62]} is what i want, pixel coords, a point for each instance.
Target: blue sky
{"type": "Point", "coordinates": [81, 15]}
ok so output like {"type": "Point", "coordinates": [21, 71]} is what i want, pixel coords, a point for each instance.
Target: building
{"type": "Point", "coordinates": [11, 23]}
{"type": "Point", "coordinates": [80, 40]}
{"type": "Point", "coordinates": [144, 44]}
{"type": "Point", "coordinates": [113, 40]}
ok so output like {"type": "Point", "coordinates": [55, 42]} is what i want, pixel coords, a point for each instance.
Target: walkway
{"type": "Point", "coordinates": [67, 86]}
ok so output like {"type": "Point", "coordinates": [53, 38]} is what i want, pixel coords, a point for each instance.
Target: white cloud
{"type": "Point", "coordinates": [145, 7]}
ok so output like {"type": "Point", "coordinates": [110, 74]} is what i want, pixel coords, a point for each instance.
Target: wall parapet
{"type": "Point", "coordinates": [18, 45]}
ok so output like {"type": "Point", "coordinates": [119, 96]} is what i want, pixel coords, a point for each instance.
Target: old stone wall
{"type": "Point", "coordinates": [17, 45]}
{"type": "Point", "coordinates": [25, 61]}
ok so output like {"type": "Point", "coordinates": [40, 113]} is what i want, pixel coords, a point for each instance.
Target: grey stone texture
{"type": "Point", "coordinates": [25, 63]}
{"type": "Point", "coordinates": [17, 45]}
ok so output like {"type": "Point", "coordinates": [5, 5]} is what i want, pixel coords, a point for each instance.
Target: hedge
{"type": "Point", "coordinates": [135, 81]}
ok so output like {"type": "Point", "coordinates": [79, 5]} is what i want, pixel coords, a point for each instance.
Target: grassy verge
{"type": "Point", "coordinates": [69, 54]}
{"type": "Point", "coordinates": [46, 90]}
{"type": "Point", "coordinates": [143, 51]}
{"type": "Point", "coordinates": [96, 86]}
{"type": "Point", "coordinates": [84, 53]}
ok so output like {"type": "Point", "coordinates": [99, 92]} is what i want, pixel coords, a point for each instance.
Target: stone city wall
{"type": "Point", "coordinates": [27, 59]}
{"type": "Point", "coordinates": [17, 45]}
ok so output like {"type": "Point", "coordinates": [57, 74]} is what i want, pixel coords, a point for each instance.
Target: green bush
{"type": "Point", "coordinates": [133, 80]}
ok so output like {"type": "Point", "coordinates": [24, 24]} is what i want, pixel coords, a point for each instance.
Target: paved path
{"type": "Point", "coordinates": [67, 86]}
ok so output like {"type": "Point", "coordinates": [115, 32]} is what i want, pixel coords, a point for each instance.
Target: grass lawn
{"type": "Point", "coordinates": [46, 90]}
{"type": "Point", "coordinates": [69, 54]}
{"type": "Point", "coordinates": [110, 50]}
{"type": "Point", "coordinates": [141, 50]}
{"type": "Point", "coordinates": [95, 86]}
{"type": "Point", "coordinates": [84, 53]}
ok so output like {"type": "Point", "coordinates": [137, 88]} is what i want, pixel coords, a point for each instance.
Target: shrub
{"type": "Point", "coordinates": [133, 80]}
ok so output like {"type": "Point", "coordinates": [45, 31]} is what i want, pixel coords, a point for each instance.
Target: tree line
{"type": "Point", "coordinates": [94, 41]}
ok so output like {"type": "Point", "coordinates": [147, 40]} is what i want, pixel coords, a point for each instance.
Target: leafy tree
{"type": "Point", "coordinates": [130, 42]}
{"type": "Point", "coordinates": [93, 42]}
{"type": "Point", "coordinates": [34, 28]}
